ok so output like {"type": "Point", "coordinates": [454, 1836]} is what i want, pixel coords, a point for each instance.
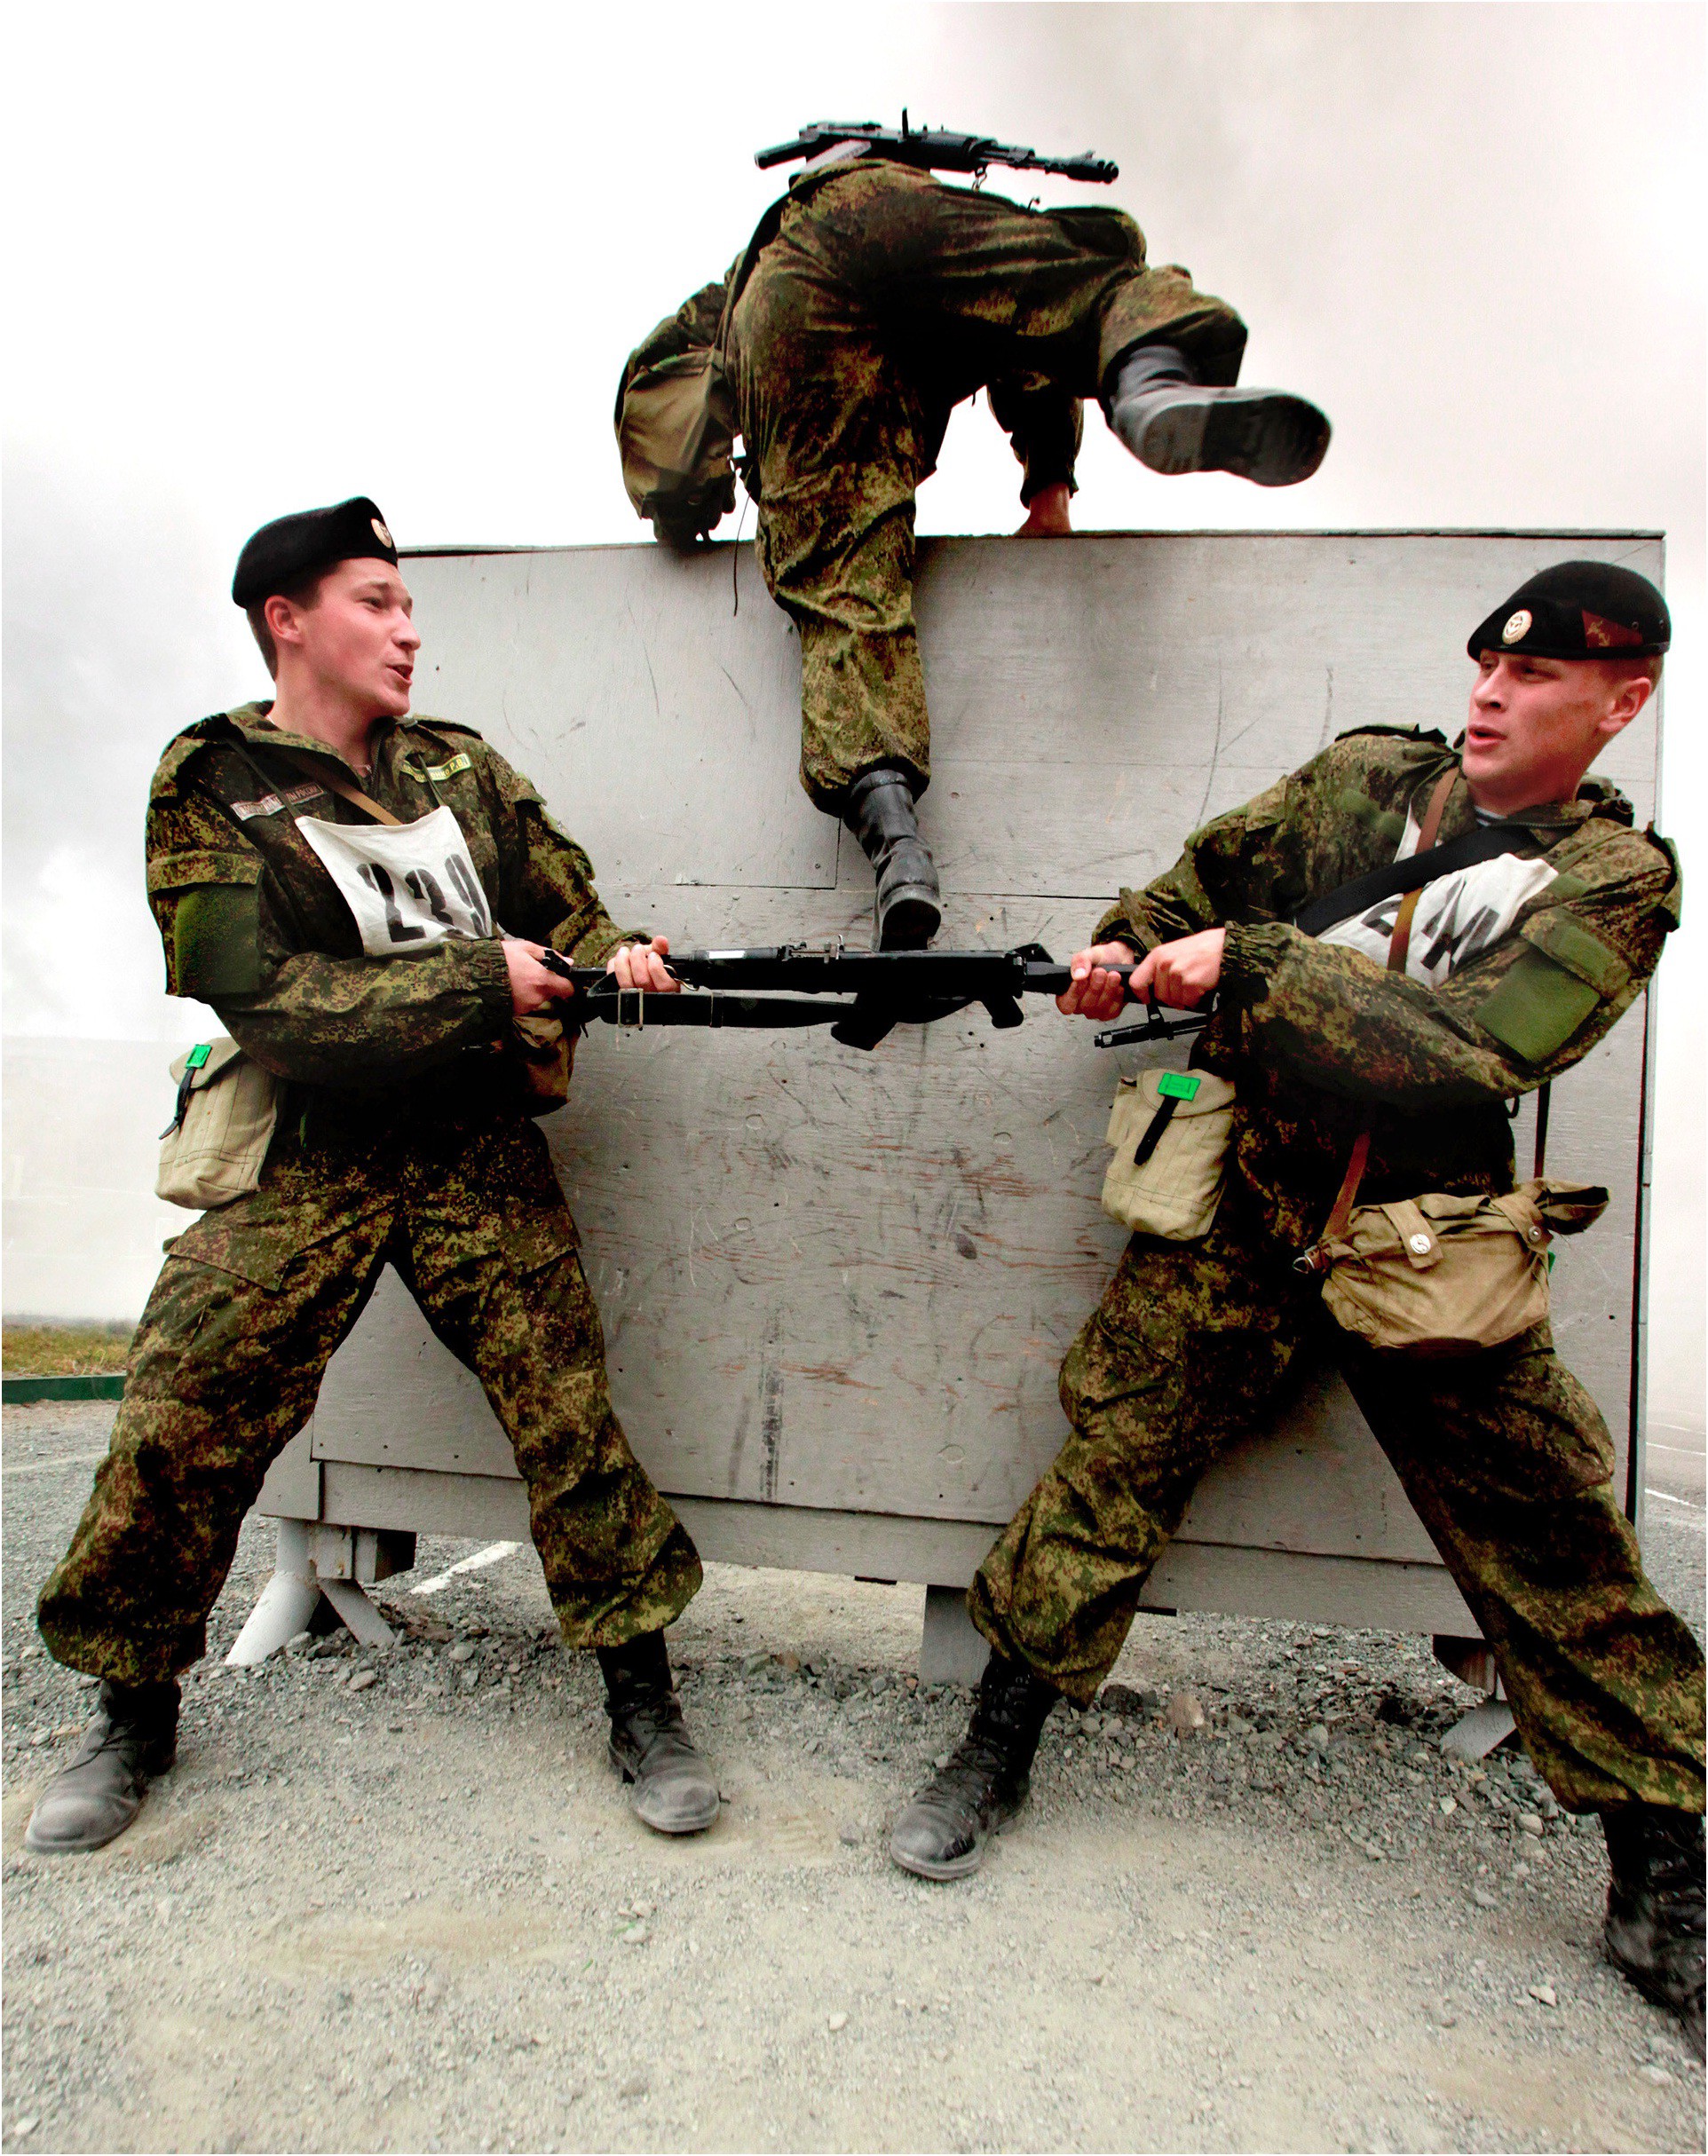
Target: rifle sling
{"type": "Point", "coordinates": [1362, 892]}
{"type": "Point", "coordinates": [345, 788]}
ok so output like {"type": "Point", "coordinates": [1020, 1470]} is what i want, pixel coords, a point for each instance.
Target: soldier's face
{"type": "Point", "coordinates": [1536, 725]}
{"type": "Point", "coordinates": [359, 637]}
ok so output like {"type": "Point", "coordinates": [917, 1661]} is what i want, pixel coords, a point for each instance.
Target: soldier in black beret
{"type": "Point", "coordinates": [362, 894]}
{"type": "Point", "coordinates": [1403, 934]}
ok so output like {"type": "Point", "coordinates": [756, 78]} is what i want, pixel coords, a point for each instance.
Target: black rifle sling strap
{"type": "Point", "coordinates": [1316, 1259]}
{"type": "Point", "coordinates": [1483, 844]}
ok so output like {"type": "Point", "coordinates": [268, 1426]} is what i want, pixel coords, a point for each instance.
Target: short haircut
{"type": "Point", "coordinates": [303, 593]}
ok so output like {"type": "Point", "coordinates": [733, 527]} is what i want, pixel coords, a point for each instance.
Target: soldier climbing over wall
{"type": "Point", "coordinates": [356, 892]}
{"type": "Point", "coordinates": [871, 301]}
{"type": "Point", "coordinates": [1401, 936]}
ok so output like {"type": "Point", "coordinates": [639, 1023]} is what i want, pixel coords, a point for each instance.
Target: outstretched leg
{"type": "Point", "coordinates": [228, 1358]}
{"type": "Point", "coordinates": [489, 1250]}
{"type": "Point", "coordinates": [1508, 1463]}
{"type": "Point", "coordinates": [1185, 1352]}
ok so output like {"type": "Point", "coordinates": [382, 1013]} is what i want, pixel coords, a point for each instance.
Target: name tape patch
{"type": "Point", "coordinates": [438, 771]}
{"type": "Point", "coordinates": [274, 804]}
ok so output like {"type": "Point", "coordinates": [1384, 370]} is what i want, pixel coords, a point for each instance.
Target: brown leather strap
{"type": "Point", "coordinates": [333, 783]}
{"type": "Point", "coordinates": [1399, 943]}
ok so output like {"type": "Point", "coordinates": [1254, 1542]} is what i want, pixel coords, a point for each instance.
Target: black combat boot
{"type": "Point", "coordinates": [132, 1738]}
{"type": "Point", "coordinates": [879, 813]}
{"type": "Point", "coordinates": [673, 1789]}
{"type": "Point", "coordinates": [1654, 1927]}
{"type": "Point", "coordinates": [1173, 423]}
{"type": "Point", "coordinates": [941, 1834]}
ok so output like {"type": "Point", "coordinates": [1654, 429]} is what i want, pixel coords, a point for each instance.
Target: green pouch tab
{"type": "Point", "coordinates": [1178, 1084]}
{"type": "Point", "coordinates": [1537, 1008]}
{"type": "Point", "coordinates": [1561, 938]}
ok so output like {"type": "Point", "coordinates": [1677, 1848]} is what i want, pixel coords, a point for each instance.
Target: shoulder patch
{"type": "Point", "coordinates": [1537, 1006]}
{"type": "Point", "coordinates": [463, 762]}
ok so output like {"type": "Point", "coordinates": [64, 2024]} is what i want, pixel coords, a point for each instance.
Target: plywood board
{"type": "Point", "coordinates": [842, 1284]}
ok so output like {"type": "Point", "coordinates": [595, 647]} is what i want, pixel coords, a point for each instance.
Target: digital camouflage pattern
{"type": "Point", "coordinates": [1504, 1456]}
{"type": "Point", "coordinates": [1319, 1041]}
{"type": "Point", "coordinates": [248, 1308]}
{"type": "Point", "coordinates": [885, 299]}
{"type": "Point", "coordinates": [252, 923]}
{"type": "Point", "coordinates": [401, 1139]}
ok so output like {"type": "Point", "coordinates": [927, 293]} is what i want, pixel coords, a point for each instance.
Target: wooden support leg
{"type": "Point", "coordinates": [313, 1561]}
{"type": "Point", "coordinates": [286, 1602]}
{"type": "Point", "coordinates": [1475, 1735]}
{"type": "Point", "coordinates": [952, 1650]}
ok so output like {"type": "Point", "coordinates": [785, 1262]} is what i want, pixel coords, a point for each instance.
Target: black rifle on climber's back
{"type": "Point", "coordinates": [933, 149]}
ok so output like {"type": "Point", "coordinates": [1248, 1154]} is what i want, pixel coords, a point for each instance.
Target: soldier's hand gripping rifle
{"type": "Point", "coordinates": [788, 984]}
{"type": "Point", "coordinates": [934, 149]}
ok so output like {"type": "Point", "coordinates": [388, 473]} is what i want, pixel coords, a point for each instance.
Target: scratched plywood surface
{"type": "Point", "coordinates": [845, 1282]}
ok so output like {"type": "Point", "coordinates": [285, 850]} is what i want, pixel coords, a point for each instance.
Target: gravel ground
{"type": "Point", "coordinates": [397, 1901]}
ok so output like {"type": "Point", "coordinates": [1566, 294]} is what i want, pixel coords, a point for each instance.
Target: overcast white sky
{"type": "Point", "coordinates": [260, 258]}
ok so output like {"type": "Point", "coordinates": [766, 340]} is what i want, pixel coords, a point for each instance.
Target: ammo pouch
{"type": "Point", "coordinates": [676, 431]}
{"type": "Point", "coordinates": [1444, 1276]}
{"type": "Point", "coordinates": [212, 1150]}
{"type": "Point", "coordinates": [1170, 1130]}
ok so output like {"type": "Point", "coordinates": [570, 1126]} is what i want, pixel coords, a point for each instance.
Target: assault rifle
{"type": "Point", "coordinates": [785, 985]}
{"type": "Point", "coordinates": [934, 149]}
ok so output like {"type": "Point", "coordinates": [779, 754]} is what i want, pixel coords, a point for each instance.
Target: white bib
{"type": "Point", "coordinates": [410, 885]}
{"type": "Point", "coordinates": [1458, 915]}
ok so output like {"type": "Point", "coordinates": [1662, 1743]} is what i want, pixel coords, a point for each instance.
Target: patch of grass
{"type": "Point", "coordinates": [29, 1349]}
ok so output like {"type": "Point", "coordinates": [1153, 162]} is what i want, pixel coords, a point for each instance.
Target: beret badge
{"type": "Point", "coordinates": [1600, 635]}
{"type": "Point", "coordinates": [1517, 625]}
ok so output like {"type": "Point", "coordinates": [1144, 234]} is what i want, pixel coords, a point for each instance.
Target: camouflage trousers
{"type": "Point", "coordinates": [883, 287]}
{"type": "Point", "coordinates": [250, 1306]}
{"type": "Point", "coordinates": [1503, 1455]}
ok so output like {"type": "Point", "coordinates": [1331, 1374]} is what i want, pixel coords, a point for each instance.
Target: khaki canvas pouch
{"type": "Point", "coordinates": [676, 429]}
{"type": "Point", "coordinates": [1445, 1275]}
{"type": "Point", "coordinates": [1170, 1130]}
{"type": "Point", "coordinates": [227, 1108]}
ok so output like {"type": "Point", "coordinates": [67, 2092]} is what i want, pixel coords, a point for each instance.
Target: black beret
{"type": "Point", "coordinates": [282, 553]}
{"type": "Point", "coordinates": [1578, 610]}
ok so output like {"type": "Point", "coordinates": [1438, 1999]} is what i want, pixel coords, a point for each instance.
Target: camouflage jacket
{"type": "Point", "coordinates": [1319, 1038]}
{"type": "Point", "coordinates": [1044, 425]}
{"type": "Point", "coordinates": [253, 924]}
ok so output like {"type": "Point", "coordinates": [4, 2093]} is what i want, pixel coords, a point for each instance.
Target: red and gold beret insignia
{"type": "Point", "coordinates": [1600, 635]}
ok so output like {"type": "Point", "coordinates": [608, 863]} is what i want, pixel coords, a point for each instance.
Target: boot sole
{"type": "Point", "coordinates": [957, 1867]}
{"type": "Point", "coordinates": [910, 919]}
{"type": "Point", "coordinates": [1264, 436]}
